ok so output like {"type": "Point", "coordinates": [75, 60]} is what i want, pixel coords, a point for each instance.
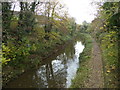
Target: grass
{"type": "Point", "coordinates": [83, 71]}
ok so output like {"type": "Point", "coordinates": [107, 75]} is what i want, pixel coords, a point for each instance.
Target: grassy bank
{"type": "Point", "coordinates": [109, 47]}
{"type": "Point", "coordinates": [85, 56]}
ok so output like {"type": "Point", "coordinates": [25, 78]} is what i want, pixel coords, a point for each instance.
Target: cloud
{"type": "Point", "coordinates": [81, 10]}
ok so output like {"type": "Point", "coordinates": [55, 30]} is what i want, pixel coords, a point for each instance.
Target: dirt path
{"type": "Point", "coordinates": [95, 79]}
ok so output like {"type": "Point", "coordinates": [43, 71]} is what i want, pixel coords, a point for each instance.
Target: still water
{"type": "Point", "coordinates": [55, 72]}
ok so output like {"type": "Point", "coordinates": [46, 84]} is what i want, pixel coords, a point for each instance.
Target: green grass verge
{"type": "Point", "coordinates": [85, 56]}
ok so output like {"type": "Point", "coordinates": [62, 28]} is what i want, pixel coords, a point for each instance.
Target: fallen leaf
{"type": "Point", "coordinates": [108, 71]}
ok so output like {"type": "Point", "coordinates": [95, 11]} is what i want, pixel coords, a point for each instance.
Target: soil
{"type": "Point", "coordinates": [95, 78]}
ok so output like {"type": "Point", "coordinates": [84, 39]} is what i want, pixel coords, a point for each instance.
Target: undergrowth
{"type": "Point", "coordinates": [109, 48]}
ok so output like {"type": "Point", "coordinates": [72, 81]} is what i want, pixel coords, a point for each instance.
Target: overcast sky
{"type": "Point", "coordinates": [81, 9]}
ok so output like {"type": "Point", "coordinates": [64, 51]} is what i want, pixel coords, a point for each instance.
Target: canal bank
{"type": "Point", "coordinates": [83, 71]}
{"type": "Point", "coordinates": [10, 73]}
{"type": "Point", "coordinates": [56, 71]}
{"type": "Point", "coordinates": [90, 72]}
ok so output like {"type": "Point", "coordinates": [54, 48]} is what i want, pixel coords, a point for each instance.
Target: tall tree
{"type": "Point", "coordinates": [6, 20]}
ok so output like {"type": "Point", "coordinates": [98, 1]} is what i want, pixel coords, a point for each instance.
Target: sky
{"type": "Point", "coordinates": [81, 10]}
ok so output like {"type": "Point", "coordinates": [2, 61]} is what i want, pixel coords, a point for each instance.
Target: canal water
{"type": "Point", "coordinates": [55, 72]}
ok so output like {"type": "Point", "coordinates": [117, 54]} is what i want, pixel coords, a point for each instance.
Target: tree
{"type": "Point", "coordinates": [84, 26]}
{"type": "Point", "coordinates": [51, 10]}
{"type": "Point", "coordinates": [6, 20]}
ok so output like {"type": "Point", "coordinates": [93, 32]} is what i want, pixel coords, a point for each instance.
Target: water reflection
{"type": "Point", "coordinates": [73, 63]}
{"type": "Point", "coordinates": [57, 73]}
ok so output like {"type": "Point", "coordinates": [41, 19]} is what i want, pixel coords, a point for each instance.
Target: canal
{"type": "Point", "coordinates": [55, 72]}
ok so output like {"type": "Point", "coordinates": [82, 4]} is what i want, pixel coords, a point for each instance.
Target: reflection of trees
{"type": "Point", "coordinates": [70, 51]}
{"type": "Point", "coordinates": [27, 80]}
{"type": "Point", "coordinates": [57, 78]}
{"type": "Point", "coordinates": [51, 77]}
{"type": "Point", "coordinates": [51, 74]}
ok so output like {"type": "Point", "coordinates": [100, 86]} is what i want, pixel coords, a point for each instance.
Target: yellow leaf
{"type": "Point", "coordinates": [101, 27]}
{"type": "Point", "coordinates": [113, 67]}
{"type": "Point", "coordinates": [108, 71]}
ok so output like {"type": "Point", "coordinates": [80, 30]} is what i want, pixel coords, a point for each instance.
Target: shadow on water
{"type": "Point", "coordinates": [54, 72]}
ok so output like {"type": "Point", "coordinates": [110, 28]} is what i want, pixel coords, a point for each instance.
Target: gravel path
{"type": "Point", "coordinates": [95, 79]}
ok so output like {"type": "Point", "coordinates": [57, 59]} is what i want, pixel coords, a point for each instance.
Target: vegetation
{"type": "Point", "coordinates": [105, 28]}
{"type": "Point", "coordinates": [109, 43]}
{"type": "Point", "coordinates": [83, 71]}
{"type": "Point", "coordinates": [31, 33]}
